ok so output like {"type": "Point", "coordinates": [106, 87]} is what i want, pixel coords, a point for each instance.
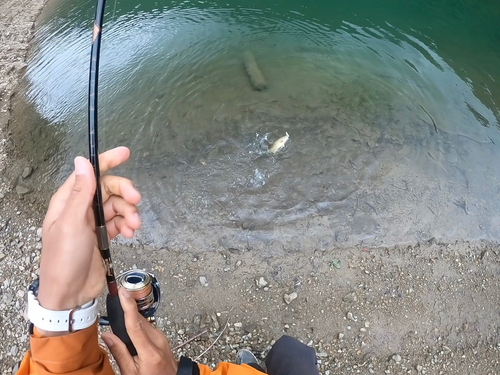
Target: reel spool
{"type": "Point", "coordinates": [144, 289]}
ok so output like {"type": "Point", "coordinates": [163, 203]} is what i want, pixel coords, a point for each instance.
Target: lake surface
{"type": "Point", "coordinates": [392, 108]}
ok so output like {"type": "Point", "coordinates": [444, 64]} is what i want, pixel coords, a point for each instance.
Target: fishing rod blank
{"type": "Point", "coordinates": [115, 310]}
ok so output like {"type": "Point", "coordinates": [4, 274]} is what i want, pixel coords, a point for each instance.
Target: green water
{"type": "Point", "coordinates": [392, 110]}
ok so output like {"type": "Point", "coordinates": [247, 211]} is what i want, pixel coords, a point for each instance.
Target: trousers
{"type": "Point", "coordinates": [289, 356]}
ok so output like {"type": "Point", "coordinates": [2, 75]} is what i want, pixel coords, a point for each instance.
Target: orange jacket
{"type": "Point", "coordinates": [79, 353]}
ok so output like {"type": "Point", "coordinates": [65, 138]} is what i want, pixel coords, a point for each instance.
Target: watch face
{"type": "Point", "coordinates": [34, 287]}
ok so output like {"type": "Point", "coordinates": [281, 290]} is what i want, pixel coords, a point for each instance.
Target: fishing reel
{"type": "Point", "coordinates": [143, 288]}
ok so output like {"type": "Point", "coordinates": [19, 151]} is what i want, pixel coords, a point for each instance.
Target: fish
{"type": "Point", "coordinates": [279, 144]}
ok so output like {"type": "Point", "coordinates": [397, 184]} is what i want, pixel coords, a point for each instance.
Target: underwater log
{"type": "Point", "coordinates": [257, 79]}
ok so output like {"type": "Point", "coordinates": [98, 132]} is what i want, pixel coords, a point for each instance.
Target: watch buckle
{"type": "Point", "coordinates": [71, 321]}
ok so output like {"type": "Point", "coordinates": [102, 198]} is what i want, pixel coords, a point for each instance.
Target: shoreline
{"type": "Point", "coordinates": [428, 308]}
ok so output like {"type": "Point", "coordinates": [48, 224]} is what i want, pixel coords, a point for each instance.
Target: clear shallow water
{"type": "Point", "coordinates": [391, 111]}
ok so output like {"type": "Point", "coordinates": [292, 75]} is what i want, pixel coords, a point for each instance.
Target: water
{"type": "Point", "coordinates": [391, 109]}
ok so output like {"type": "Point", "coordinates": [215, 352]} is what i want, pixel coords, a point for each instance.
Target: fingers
{"type": "Point", "coordinates": [118, 225]}
{"type": "Point", "coordinates": [120, 352]}
{"type": "Point", "coordinates": [107, 160]}
{"type": "Point", "coordinates": [114, 185]}
{"type": "Point", "coordinates": [118, 206]}
{"type": "Point", "coordinates": [75, 196]}
{"type": "Point", "coordinates": [113, 158]}
{"type": "Point", "coordinates": [136, 325]}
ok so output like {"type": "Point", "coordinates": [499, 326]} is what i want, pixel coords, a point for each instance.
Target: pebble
{"type": "Point", "coordinates": [39, 233]}
{"type": "Point", "coordinates": [396, 358]}
{"type": "Point", "coordinates": [351, 297]}
{"type": "Point", "coordinates": [21, 190]}
{"type": "Point", "coordinates": [351, 317]}
{"type": "Point", "coordinates": [2, 256]}
{"type": "Point", "coordinates": [290, 297]}
{"type": "Point", "coordinates": [261, 282]}
{"type": "Point", "coordinates": [27, 172]}
{"type": "Point", "coordinates": [8, 297]}
{"type": "Point", "coordinates": [14, 350]}
{"type": "Point", "coordinates": [38, 246]}
{"type": "Point", "coordinates": [238, 325]}
{"type": "Point", "coordinates": [419, 368]}
{"type": "Point", "coordinates": [20, 293]}
{"type": "Point", "coordinates": [341, 336]}
{"type": "Point", "coordinates": [203, 281]}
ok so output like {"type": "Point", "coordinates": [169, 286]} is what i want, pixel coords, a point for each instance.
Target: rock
{"type": "Point", "coordinates": [7, 298]}
{"type": "Point", "coordinates": [396, 358]}
{"type": "Point", "coordinates": [14, 350]}
{"type": "Point", "coordinates": [197, 320]}
{"type": "Point", "coordinates": [15, 368]}
{"type": "Point", "coordinates": [341, 336]}
{"type": "Point", "coordinates": [203, 281]}
{"type": "Point", "coordinates": [27, 172]}
{"type": "Point", "coordinates": [322, 354]}
{"type": "Point", "coordinates": [261, 283]}
{"type": "Point", "coordinates": [350, 298]}
{"type": "Point", "coordinates": [238, 325]}
{"type": "Point", "coordinates": [419, 368]}
{"type": "Point", "coordinates": [290, 297]}
{"type": "Point", "coordinates": [2, 196]}
{"type": "Point", "coordinates": [21, 190]}
{"type": "Point", "coordinates": [39, 233]}
{"type": "Point", "coordinates": [2, 256]}
{"type": "Point", "coordinates": [215, 321]}
{"type": "Point", "coordinates": [238, 264]}
{"type": "Point", "coordinates": [351, 317]}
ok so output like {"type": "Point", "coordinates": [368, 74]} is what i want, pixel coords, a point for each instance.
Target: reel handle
{"type": "Point", "coordinates": [117, 322]}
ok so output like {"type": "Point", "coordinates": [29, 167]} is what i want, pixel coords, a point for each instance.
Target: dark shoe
{"type": "Point", "coordinates": [246, 357]}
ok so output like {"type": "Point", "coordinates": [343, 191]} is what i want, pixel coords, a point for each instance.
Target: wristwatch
{"type": "Point", "coordinates": [59, 321]}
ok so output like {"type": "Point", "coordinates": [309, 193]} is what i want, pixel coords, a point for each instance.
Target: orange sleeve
{"type": "Point", "coordinates": [224, 368]}
{"type": "Point", "coordinates": [76, 353]}
{"type": "Point", "coordinates": [79, 354]}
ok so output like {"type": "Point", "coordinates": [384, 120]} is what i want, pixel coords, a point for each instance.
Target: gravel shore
{"type": "Point", "coordinates": [430, 308]}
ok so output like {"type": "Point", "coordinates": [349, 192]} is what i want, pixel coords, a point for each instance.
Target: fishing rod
{"type": "Point", "coordinates": [142, 285]}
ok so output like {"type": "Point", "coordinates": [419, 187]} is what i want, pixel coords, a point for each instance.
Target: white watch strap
{"type": "Point", "coordinates": [61, 321]}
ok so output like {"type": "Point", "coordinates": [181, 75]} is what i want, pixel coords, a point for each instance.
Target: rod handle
{"type": "Point", "coordinates": [117, 322]}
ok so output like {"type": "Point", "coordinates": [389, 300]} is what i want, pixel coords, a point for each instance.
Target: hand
{"type": "Point", "coordinates": [154, 356]}
{"type": "Point", "coordinates": [71, 268]}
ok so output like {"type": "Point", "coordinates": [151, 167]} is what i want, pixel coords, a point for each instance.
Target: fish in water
{"type": "Point", "coordinates": [279, 144]}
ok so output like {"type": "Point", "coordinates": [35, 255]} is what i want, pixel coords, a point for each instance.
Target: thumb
{"type": "Point", "coordinates": [120, 353]}
{"type": "Point", "coordinates": [83, 189]}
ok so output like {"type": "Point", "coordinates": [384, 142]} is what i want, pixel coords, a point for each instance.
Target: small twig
{"type": "Point", "coordinates": [191, 339]}
{"type": "Point", "coordinates": [217, 339]}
